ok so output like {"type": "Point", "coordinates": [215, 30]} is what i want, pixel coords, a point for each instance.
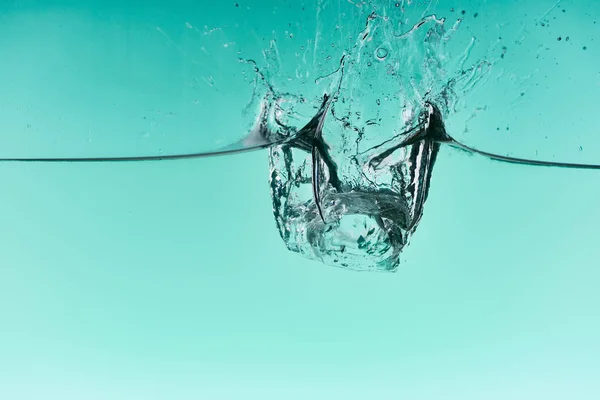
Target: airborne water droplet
{"type": "Point", "coordinates": [381, 53]}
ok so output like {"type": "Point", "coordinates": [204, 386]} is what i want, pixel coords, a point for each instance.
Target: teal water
{"type": "Point", "coordinates": [169, 280]}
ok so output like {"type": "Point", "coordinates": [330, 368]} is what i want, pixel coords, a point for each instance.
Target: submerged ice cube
{"type": "Point", "coordinates": [371, 202]}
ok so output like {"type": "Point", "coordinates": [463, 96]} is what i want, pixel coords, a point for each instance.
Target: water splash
{"type": "Point", "coordinates": [350, 190]}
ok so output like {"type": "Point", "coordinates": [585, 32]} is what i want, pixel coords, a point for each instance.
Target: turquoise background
{"type": "Point", "coordinates": [169, 281]}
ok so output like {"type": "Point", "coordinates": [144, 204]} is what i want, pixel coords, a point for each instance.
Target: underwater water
{"type": "Point", "coordinates": [170, 280]}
